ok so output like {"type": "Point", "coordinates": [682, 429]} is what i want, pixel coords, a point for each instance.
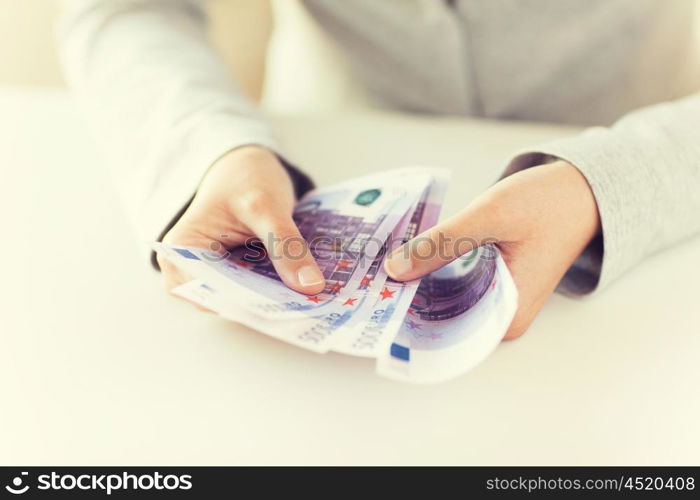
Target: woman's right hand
{"type": "Point", "coordinates": [246, 194]}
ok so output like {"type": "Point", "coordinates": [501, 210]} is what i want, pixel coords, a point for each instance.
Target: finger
{"type": "Point", "coordinates": [517, 328]}
{"type": "Point", "coordinates": [172, 275]}
{"type": "Point", "coordinates": [437, 247]}
{"type": "Point", "coordinates": [289, 253]}
{"type": "Point", "coordinates": [535, 276]}
{"type": "Point", "coordinates": [524, 317]}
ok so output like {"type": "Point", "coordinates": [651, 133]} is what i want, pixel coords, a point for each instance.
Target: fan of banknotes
{"type": "Point", "coordinates": [424, 331]}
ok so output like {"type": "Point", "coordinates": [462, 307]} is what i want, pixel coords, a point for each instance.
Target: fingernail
{"type": "Point", "coordinates": [309, 276]}
{"type": "Point", "coordinates": [399, 264]}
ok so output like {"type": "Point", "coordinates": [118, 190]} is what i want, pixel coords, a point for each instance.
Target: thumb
{"type": "Point", "coordinates": [440, 245]}
{"type": "Point", "coordinates": [289, 253]}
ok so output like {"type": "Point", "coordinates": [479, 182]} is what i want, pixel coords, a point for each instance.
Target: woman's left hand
{"type": "Point", "coordinates": [541, 218]}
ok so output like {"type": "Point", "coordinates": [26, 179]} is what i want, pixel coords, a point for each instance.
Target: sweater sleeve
{"type": "Point", "coordinates": [644, 172]}
{"type": "Point", "coordinates": [159, 100]}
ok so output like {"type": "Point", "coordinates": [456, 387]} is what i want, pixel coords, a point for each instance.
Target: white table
{"type": "Point", "coordinates": [99, 366]}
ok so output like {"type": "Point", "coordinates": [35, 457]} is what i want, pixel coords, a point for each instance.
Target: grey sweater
{"type": "Point", "coordinates": [166, 108]}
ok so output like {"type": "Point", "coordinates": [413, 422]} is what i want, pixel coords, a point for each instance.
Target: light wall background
{"type": "Point", "coordinates": [304, 70]}
{"type": "Point", "coordinates": [240, 30]}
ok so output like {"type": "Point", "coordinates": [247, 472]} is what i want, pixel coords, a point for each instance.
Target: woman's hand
{"type": "Point", "coordinates": [541, 218]}
{"type": "Point", "coordinates": [247, 193]}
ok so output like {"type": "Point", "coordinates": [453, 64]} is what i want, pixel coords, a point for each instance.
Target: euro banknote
{"type": "Point", "coordinates": [423, 331]}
